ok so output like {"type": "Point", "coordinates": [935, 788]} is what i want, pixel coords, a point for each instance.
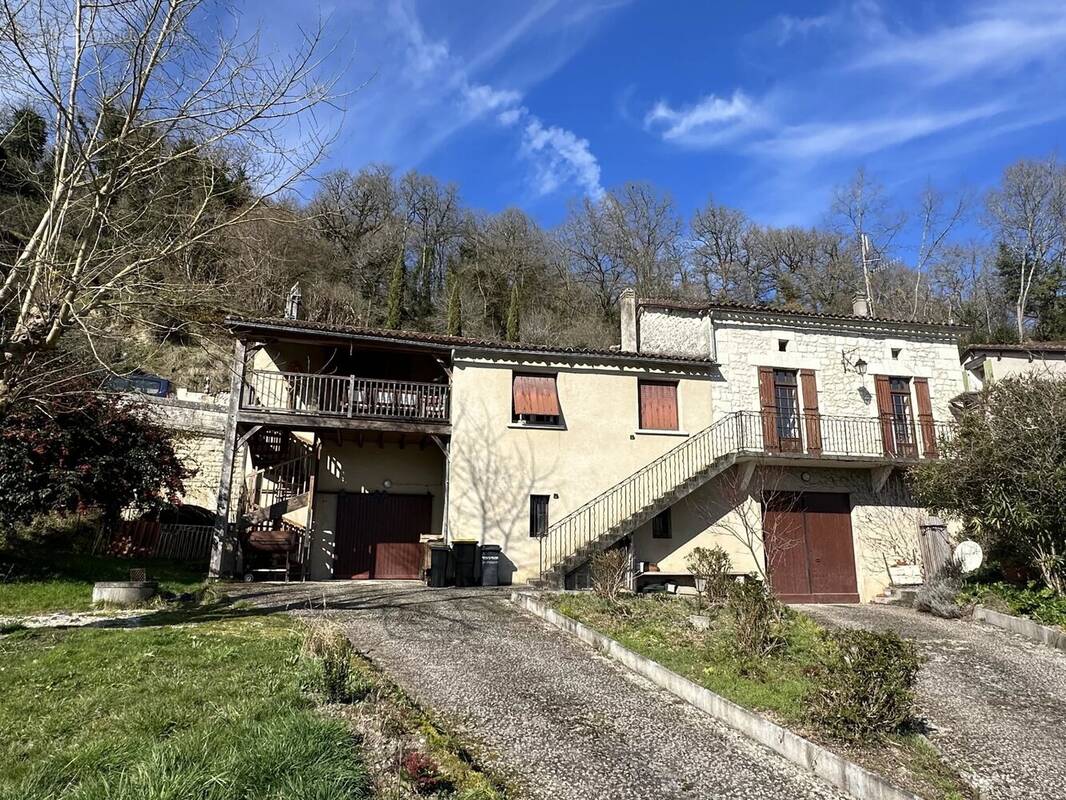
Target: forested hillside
{"type": "Point", "coordinates": [372, 247]}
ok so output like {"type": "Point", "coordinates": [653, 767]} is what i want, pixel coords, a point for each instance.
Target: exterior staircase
{"type": "Point", "coordinates": [621, 509]}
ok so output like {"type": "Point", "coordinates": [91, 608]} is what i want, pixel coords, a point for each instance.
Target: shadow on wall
{"type": "Point", "coordinates": [497, 479]}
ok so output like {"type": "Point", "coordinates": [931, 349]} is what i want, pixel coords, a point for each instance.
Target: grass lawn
{"type": "Point", "coordinates": [657, 626]}
{"type": "Point", "coordinates": [64, 581]}
{"type": "Point", "coordinates": [208, 710]}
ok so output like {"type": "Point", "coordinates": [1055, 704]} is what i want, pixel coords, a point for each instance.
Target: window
{"type": "Point", "coordinates": [658, 405]}
{"type": "Point", "coordinates": [896, 352]}
{"type": "Point", "coordinates": [786, 401]}
{"type": "Point", "coordinates": [660, 525]}
{"type": "Point", "coordinates": [900, 396]}
{"type": "Point", "coordinates": [534, 399]}
{"type": "Point", "coordinates": [538, 515]}
{"type": "Point", "coordinates": [782, 345]}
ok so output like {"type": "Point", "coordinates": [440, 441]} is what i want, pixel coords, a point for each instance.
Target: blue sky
{"type": "Point", "coordinates": [766, 107]}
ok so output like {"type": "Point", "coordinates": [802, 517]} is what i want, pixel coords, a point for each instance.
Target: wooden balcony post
{"type": "Point", "coordinates": [221, 546]}
{"type": "Point", "coordinates": [351, 394]}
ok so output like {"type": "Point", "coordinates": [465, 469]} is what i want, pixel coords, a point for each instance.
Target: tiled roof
{"type": "Point", "coordinates": [1019, 347]}
{"type": "Point", "coordinates": [445, 341]}
{"type": "Point", "coordinates": [683, 305]}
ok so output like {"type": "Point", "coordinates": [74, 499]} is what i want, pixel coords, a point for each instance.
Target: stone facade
{"type": "Point", "coordinates": [199, 426]}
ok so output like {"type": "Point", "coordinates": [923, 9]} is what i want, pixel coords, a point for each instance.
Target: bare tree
{"type": "Point", "coordinates": [133, 91]}
{"type": "Point", "coordinates": [735, 509]}
{"type": "Point", "coordinates": [645, 235]}
{"type": "Point", "coordinates": [939, 218]}
{"type": "Point", "coordinates": [585, 240]}
{"type": "Point", "coordinates": [860, 207]}
{"type": "Point", "coordinates": [1028, 212]}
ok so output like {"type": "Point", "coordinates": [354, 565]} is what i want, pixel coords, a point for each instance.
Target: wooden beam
{"type": "Point", "coordinates": [423, 443]}
{"type": "Point", "coordinates": [360, 438]}
{"type": "Point", "coordinates": [251, 432]}
{"type": "Point", "coordinates": [221, 546]}
{"type": "Point", "coordinates": [440, 443]}
{"type": "Point", "coordinates": [403, 440]}
{"type": "Point", "coordinates": [340, 438]}
{"type": "Point", "coordinates": [321, 422]}
{"type": "Point", "coordinates": [381, 440]}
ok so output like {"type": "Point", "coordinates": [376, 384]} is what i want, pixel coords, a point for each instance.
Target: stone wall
{"type": "Point", "coordinates": [199, 426]}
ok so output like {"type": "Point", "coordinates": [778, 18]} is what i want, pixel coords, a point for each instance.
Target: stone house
{"type": "Point", "coordinates": [779, 435]}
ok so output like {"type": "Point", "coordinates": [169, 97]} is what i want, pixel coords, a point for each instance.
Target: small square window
{"type": "Point", "coordinates": [782, 345]}
{"type": "Point", "coordinates": [660, 525]}
{"type": "Point", "coordinates": [895, 353]}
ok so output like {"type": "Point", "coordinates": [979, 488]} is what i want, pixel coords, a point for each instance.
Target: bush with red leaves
{"type": "Point", "coordinates": [423, 772]}
{"type": "Point", "coordinates": [83, 451]}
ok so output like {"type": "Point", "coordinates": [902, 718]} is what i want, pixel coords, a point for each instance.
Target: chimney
{"type": "Point", "coordinates": [860, 306]}
{"type": "Point", "coordinates": [294, 303]}
{"type": "Point", "coordinates": [628, 303]}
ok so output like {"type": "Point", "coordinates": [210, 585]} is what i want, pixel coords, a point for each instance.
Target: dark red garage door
{"type": "Point", "coordinates": [377, 535]}
{"type": "Point", "coordinates": [809, 547]}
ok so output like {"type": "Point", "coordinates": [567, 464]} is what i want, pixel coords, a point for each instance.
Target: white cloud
{"type": "Point", "coordinates": [560, 157]}
{"type": "Point", "coordinates": [710, 121]}
{"type": "Point", "coordinates": [995, 38]}
{"type": "Point", "coordinates": [851, 138]}
{"type": "Point", "coordinates": [481, 98]}
{"type": "Point", "coordinates": [787, 27]}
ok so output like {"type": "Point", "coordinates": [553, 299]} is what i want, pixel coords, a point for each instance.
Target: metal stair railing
{"type": "Point", "coordinates": [648, 486]}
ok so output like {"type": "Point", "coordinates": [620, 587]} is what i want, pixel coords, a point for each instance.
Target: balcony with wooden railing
{"type": "Point", "coordinates": [345, 397]}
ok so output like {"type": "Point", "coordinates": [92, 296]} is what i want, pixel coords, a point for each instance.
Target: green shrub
{"type": "Point", "coordinates": [756, 619]}
{"type": "Point", "coordinates": [864, 686]}
{"type": "Point", "coordinates": [326, 659]}
{"type": "Point", "coordinates": [1034, 600]}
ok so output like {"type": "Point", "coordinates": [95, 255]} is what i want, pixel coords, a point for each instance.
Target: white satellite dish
{"type": "Point", "coordinates": [969, 555]}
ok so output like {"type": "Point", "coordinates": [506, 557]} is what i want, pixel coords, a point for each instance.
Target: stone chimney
{"type": "Point", "coordinates": [860, 306]}
{"type": "Point", "coordinates": [294, 303]}
{"type": "Point", "coordinates": [628, 303]}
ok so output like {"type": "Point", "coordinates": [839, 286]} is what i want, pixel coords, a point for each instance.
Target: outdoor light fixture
{"type": "Point", "coordinates": [858, 366]}
{"type": "Point", "coordinates": [387, 483]}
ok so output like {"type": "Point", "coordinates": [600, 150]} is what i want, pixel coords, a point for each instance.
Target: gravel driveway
{"type": "Point", "coordinates": [996, 702]}
{"type": "Point", "coordinates": [542, 708]}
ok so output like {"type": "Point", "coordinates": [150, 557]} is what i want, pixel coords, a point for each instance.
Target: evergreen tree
{"type": "Point", "coordinates": [455, 308]}
{"type": "Point", "coordinates": [512, 315]}
{"type": "Point", "coordinates": [394, 309]}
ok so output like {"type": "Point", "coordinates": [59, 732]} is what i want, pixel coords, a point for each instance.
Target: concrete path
{"type": "Point", "coordinates": [544, 709]}
{"type": "Point", "coordinates": [995, 702]}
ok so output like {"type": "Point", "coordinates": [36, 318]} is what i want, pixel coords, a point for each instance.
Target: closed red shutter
{"type": "Point", "coordinates": [884, 413]}
{"type": "Point", "coordinates": [812, 421]}
{"type": "Point", "coordinates": [658, 405]}
{"type": "Point", "coordinates": [769, 413]}
{"type": "Point", "coordinates": [925, 417]}
{"type": "Point", "coordinates": [535, 394]}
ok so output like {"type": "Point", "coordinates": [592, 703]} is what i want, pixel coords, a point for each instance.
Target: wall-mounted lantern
{"type": "Point", "coordinates": [852, 364]}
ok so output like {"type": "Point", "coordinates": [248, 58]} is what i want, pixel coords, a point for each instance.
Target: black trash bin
{"type": "Point", "coordinates": [465, 553]}
{"type": "Point", "coordinates": [439, 556]}
{"type": "Point", "coordinates": [490, 565]}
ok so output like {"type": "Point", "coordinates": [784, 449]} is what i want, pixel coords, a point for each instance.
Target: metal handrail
{"type": "Point", "coordinates": [345, 396]}
{"type": "Point", "coordinates": [738, 433]}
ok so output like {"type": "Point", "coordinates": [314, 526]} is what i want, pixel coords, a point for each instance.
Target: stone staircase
{"type": "Point", "coordinates": [620, 510]}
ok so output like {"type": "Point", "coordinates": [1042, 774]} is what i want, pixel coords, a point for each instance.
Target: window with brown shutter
{"type": "Point", "coordinates": [534, 399]}
{"type": "Point", "coordinates": [812, 421]}
{"type": "Point", "coordinates": [768, 406]}
{"type": "Point", "coordinates": [658, 405]}
{"type": "Point", "coordinates": [925, 417]}
{"type": "Point", "coordinates": [897, 418]}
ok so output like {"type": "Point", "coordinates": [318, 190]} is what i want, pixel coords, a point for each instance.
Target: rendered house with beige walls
{"type": "Point", "coordinates": [711, 424]}
{"type": "Point", "coordinates": [990, 362]}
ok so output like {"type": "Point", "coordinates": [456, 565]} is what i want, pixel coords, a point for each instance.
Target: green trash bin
{"type": "Point", "coordinates": [439, 557]}
{"type": "Point", "coordinates": [490, 565]}
{"type": "Point", "coordinates": [466, 562]}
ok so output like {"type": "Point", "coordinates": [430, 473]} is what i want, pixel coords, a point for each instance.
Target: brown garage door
{"type": "Point", "coordinates": [809, 547]}
{"type": "Point", "coordinates": [377, 535]}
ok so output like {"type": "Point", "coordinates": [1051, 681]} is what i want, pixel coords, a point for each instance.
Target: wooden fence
{"type": "Point", "coordinates": [149, 539]}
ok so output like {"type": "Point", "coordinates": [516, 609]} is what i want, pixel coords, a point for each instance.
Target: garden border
{"type": "Point", "coordinates": [840, 772]}
{"type": "Point", "coordinates": [1034, 631]}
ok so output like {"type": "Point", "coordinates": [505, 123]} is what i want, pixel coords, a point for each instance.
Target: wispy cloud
{"type": "Point", "coordinates": [431, 88]}
{"type": "Point", "coordinates": [889, 85]}
{"type": "Point", "coordinates": [857, 138]}
{"type": "Point", "coordinates": [710, 121]}
{"type": "Point", "coordinates": [997, 38]}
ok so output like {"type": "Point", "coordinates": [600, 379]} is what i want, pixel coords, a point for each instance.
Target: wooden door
{"type": "Point", "coordinates": [809, 548]}
{"type": "Point", "coordinates": [377, 535]}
